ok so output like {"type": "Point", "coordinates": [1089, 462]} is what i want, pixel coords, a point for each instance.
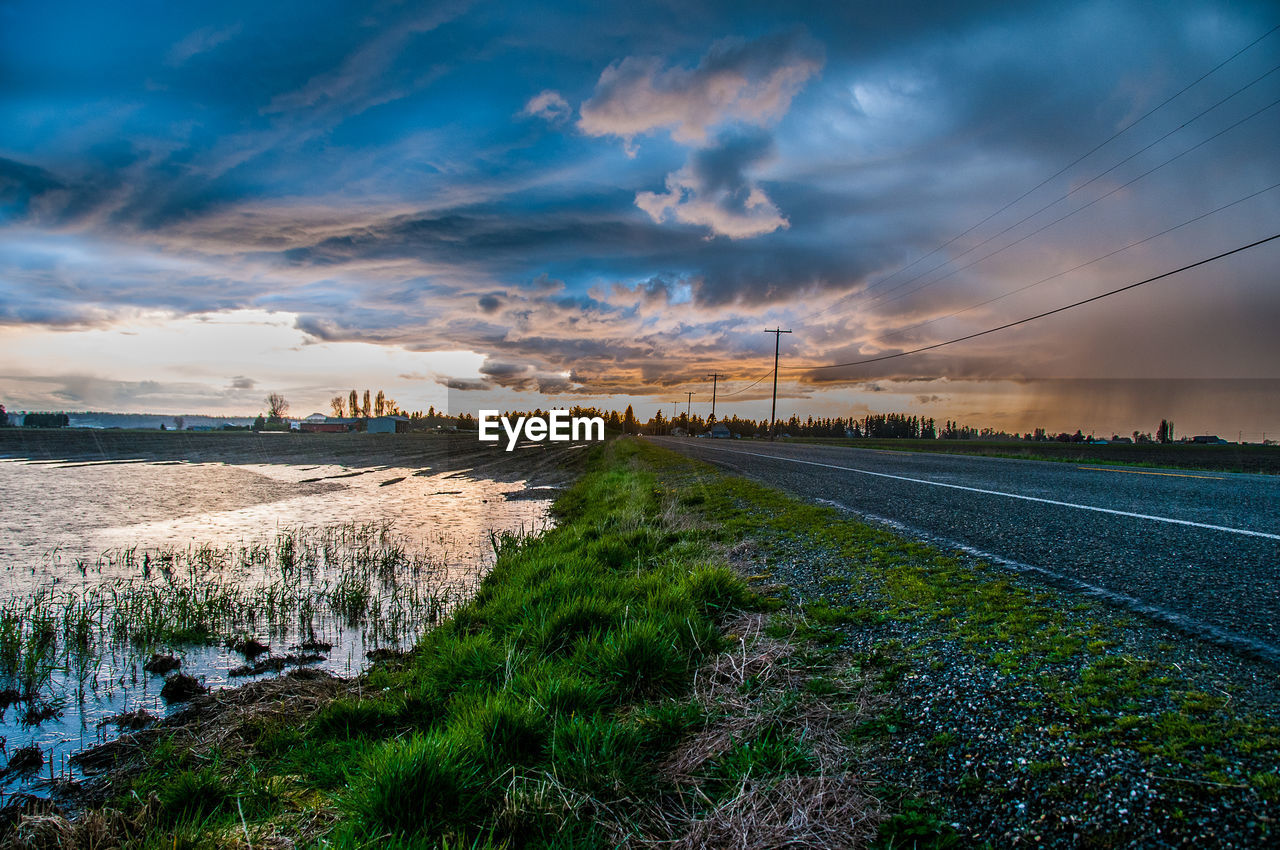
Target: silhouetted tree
{"type": "Point", "coordinates": [354, 404]}
{"type": "Point", "coordinates": [277, 407]}
{"type": "Point", "coordinates": [368, 406]}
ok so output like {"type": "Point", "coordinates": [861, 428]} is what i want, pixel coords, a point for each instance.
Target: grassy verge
{"type": "Point", "coordinates": [615, 682]}
{"type": "Point", "coordinates": [534, 715]}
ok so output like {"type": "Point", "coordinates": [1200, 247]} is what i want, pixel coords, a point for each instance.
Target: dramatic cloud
{"type": "Point", "coordinates": [714, 191]}
{"type": "Point", "coordinates": [613, 204]}
{"type": "Point", "coordinates": [749, 82]}
{"type": "Point", "coordinates": [736, 82]}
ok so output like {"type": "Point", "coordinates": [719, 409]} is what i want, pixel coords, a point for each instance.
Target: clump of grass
{"type": "Point", "coordinates": [643, 659]}
{"type": "Point", "coordinates": [558, 685]}
{"type": "Point", "coordinates": [192, 794]}
{"type": "Point", "coordinates": [432, 784]}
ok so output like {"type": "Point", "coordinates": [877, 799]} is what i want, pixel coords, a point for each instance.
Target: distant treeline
{"type": "Point", "coordinates": [38, 420]}
{"type": "Point", "coordinates": [878, 425]}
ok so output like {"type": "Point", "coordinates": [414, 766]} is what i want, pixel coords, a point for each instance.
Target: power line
{"type": "Point", "coordinates": [878, 298]}
{"type": "Point", "coordinates": [1078, 267]}
{"type": "Point", "coordinates": [748, 386]}
{"type": "Point", "coordinates": [1075, 211]}
{"type": "Point", "coordinates": [1056, 174]}
{"type": "Point", "coordinates": [1047, 312]}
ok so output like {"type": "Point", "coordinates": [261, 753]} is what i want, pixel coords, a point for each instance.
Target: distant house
{"type": "Point", "coordinates": [316, 417]}
{"type": "Point", "coordinates": [329, 425]}
{"type": "Point", "coordinates": [388, 424]}
{"type": "Point", "coordinates": [679, 432]}
{"type": "Point", "coordinates": [1128, 441]}
{"type": "Point", "coordinates": [1209, 440]}
{"type": "Point", "coordinates": [720, 431]}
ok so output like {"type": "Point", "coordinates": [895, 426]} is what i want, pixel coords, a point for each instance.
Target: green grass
{"type": "Point", "coordinates": [564, 677]}
{"type": "Point", "coordinates": [538, 714]}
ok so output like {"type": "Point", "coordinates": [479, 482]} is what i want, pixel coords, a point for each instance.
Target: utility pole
{"type": "Point", "coordinates": [688, 411]}
{"type": "Point", "coordinates": [773, 408]}
{"type": "Point", "coordinates": [715, 377]}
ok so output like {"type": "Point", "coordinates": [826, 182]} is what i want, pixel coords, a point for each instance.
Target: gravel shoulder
{"type": "Point", "coordinates": [1019, 712]}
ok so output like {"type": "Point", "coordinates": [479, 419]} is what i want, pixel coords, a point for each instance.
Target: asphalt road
{"type": "Point", "coordinates": [1199, 550]}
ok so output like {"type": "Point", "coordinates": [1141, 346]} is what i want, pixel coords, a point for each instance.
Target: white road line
{"type": "Point", "coordinates": [1244, 531]}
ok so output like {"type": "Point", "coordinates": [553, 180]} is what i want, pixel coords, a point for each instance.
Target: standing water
{"type": "Point", "coordinates": [117, 577]}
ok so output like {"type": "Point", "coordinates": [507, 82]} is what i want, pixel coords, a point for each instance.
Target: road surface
{"type": "Point", "coordinates": [1198, 550]}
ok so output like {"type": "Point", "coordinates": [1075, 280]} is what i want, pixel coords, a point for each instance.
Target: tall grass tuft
{"type": "Point", "coordinates": [424, 784]}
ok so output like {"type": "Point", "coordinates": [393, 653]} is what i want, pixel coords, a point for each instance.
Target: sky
{"type": "Point", "coordinates": [604, 203]}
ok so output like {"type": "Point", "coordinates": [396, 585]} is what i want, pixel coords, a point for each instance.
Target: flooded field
{"type": "Point", "coordinates": [121, 576]}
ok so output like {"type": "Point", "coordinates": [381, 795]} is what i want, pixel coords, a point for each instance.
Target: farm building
{"type": "Point", "coordinates": [329, 425]}
{"type": "Point", "coordinates": [388, 424]}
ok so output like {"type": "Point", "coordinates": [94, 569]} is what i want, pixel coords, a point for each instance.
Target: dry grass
{"type": "Point", "coordinates": [825, 811]}
{"type": "Point", "coordinates": [220, 720]}
{"type": "Point", "coordinates": [37, 826]}
{"type": "Point", "coordinates": [749, 688]}
{"type": "Point", "coordinates": [744, 685]}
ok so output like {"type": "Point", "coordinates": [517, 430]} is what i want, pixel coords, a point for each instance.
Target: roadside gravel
{"type": "Point", "coordinates": [1090, 727]}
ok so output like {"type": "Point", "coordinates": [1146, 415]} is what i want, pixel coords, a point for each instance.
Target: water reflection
{"type": "Point", "coordinates": [103, 564]}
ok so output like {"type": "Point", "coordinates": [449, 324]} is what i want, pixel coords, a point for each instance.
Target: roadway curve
{"type": "Point", "coordinates": [1197, 550]}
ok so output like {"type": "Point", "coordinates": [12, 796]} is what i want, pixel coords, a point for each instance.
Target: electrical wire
{"type": "Point", "coordinates": [748, 386]}
{"type": "Point", "coordinates": [1045, 313]}
{"type": "Point", "coordinates": [1167, 230]}
{"type": "Point", "coordinates": [1053, 176]}
{"type": "Point", "coordinates": [879, 299]}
